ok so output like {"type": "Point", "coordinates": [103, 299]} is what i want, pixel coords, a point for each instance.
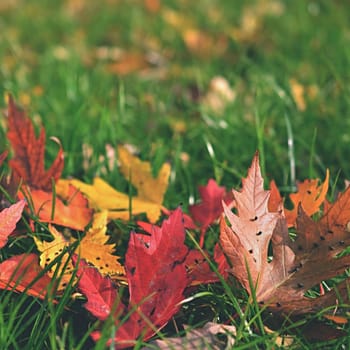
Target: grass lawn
{"type": "Point", "coordinates": [199, 84]}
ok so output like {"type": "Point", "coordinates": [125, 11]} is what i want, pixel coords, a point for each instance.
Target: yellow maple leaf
{"type": "Point", "coordinates": [92, 247]}
{"type": "Point", "coordinates": [150, 189]}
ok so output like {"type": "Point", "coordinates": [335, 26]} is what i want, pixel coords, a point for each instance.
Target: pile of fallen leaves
{"type": "Point", "coordinates": [277, 255]}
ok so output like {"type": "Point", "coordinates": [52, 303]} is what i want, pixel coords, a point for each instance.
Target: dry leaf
{"type": "Point", "coordinates": [201, 338]}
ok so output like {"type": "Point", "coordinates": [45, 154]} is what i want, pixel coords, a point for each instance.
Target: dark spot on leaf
{"type": "Point", "coordinates": [341, 242]}
{"type": "Point", "coordinates": [254, 259]}
{"type": "Point", "coordinates": [330, 232]}
{"type": "Point", "coordinates": [308, 192]}
{"type": "Point", "coordinates": [56, 253]}
{"type": "Point", "coordinates": [64, 284]}
{"type": "Point", "coordinates": [300, 247]}
{"type": "Point", "coordinates": [196, 261]}
{"type": "Point", "coordinates": [296, 268]}
{"type": "Point", "coordinates": [259, 233]}
{"type": "Point", "coordinates": [254, 219]}
{"type": "Point", "coordinates": [330, 248]}
{"type": "Point", "coordinates": [61, 250]}
{"type": "Point", "coordinates": [48, 259]}
{"type": "Point", "coordinates": [98, 258]}
{"type": "Point", "coordinates": [107, 266]}
{"type": "Point", "coordinates": [322, 238]}
{"type": "Point", "coordinates": [250, 251]}
{"type": "Point", "coordinates": [132, 270]}
{"type": "Point", "coordinates": [152, 311]}
{"type": "Point", "coordinates": [261, 302]}
{"type": "Point", "coordinates": [101, 267]}
{"type": "Point", "coordinates": [300, 285]}
{"type": "Point", "coordinates": [278, 305]}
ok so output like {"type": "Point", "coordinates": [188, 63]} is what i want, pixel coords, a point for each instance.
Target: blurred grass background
{"type": "Point", "coordinates": [146, 72]}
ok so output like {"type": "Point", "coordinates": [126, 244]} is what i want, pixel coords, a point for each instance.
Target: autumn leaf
{"type": "Point", "coordinates": [28, 163]}
{"type": "Point", "coordinates": [197, 267]}
{"type": "Point", "coordinates": [150, 195]}
{"type": "Point", "coordinates": [156, 278]}
{"type": "Point", "coordinates": [100, 291]}
{"type": "Point", "coordinates": [8, 220]}
{"type": "Point", "coordinates": [246, 242]}
{"type": "Point", "coordinates": [70, 210]}
{"type": "Point", "coordinates": [210, 208]}
{"type": "Point", "coordinates": [275, 199]}
{"type": "Point", "coordinates": [22, 273]}
{"type": "Point", "coordinates": [150, 189]}
{"type": "Point", "coordinates": [281, 280]}
{"type": "Point", "coordinates": [92, 247]}
{"type": "Point", "coordinates": [200, 338]}
{"type": "Point", "coordinates": [310, 196]}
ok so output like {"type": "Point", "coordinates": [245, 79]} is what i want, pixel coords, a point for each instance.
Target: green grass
{"type": "Point", "coordinates": [49, 62]}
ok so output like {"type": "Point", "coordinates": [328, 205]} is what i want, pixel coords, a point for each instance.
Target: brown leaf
{"type": "Point", "coordinates": [246, 242]}
{"type": "Point", "coordinates": [201, 338]}
{"type": "Point", "coordinates": [282, 277]}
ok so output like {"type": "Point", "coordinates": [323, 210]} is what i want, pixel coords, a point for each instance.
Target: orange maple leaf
{"type": "Point", "coordinates": [310, 196]}
{"type": "Point", "coordinates": [70, 210]}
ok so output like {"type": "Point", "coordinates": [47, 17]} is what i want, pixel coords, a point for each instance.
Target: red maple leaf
{"type": "Point", "coordinates": [29, 151]}
{"type": "Point", "coordinates": [210, 208]}
{"type": "Point", "coordinates": [156, 277]}
{"type": "Point", "coordinates": [8, 220]}
{"type": "Point", "coordinates": [22, 273]}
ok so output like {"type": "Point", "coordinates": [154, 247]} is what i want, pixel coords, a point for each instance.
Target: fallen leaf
{"type": "Point", "coordinates": [198, 269]}
{"type": "Point", "coordinates": [150, 190]}
{"type": "Point", "coordinates": [100, 291]}
{"type": "Point", "coordinates": [200, 338]}
{"type": "Point", "coordinates": [73, 213]}
{"type": "Point", "coordinates": [29, 151]}
{"type": "Point", "coordinates": [310, 196]}
{"type": "Point", "coordinates": [281, 280]}
{"type": "Point", "coordinates": [156, 278]}
{"type": "Point", "coordinates": [8, 220]}
{"type": "Point", "coordinates": [210, 208]}
{"type": "Point", "coordinates": [275, 200]}
{"type": "Point", "coordinates": [92, 247]}
{"type": "Point", "coordinates": [22, 273]}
